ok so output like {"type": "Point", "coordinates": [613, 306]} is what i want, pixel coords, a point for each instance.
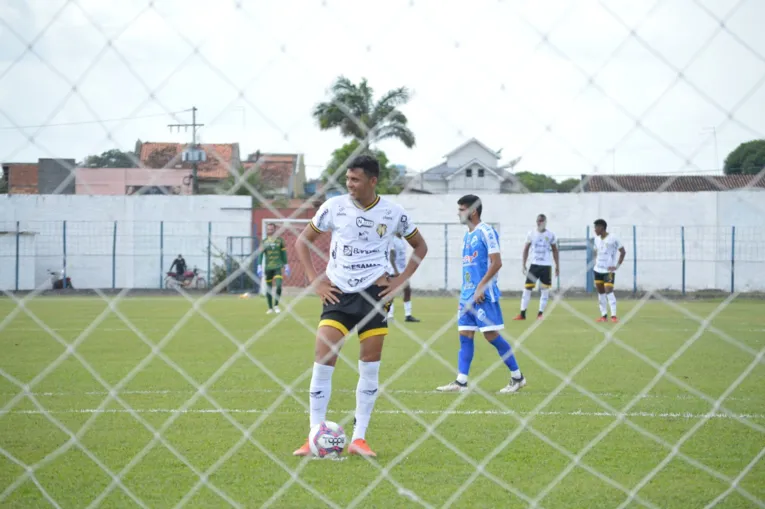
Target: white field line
{"type": "Point", "coordinates": [522, 394]}
{"type": "Point", "coordinates": [577, 413]}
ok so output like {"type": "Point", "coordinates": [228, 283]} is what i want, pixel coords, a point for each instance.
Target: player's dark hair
{"type": "Point", "coordinates": [472, 201]}
{"type": "Point", "coordinates": [601, 222]}
{"type": "Point", "coordinates": [542, 216]}
{"type": "Point", "coordinates": [368, 164]}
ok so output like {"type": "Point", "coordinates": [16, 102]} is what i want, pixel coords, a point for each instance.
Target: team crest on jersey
{"type": "Point", "coordinates": [381, 229]}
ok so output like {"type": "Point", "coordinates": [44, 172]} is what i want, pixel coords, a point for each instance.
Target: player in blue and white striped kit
{"type": "Point", "coordinates": [479, 307]}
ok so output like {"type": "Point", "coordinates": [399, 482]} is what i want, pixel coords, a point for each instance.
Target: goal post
{"type": "Point", "coordinates": [289, 230]}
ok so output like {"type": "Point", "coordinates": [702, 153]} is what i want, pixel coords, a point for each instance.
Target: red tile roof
{"type": "Point", "coordinates": [669, 183]}
{"type": "Point", "coordinates": [276, 169]}
{"type": "Point", "coordinates": [220, 157]}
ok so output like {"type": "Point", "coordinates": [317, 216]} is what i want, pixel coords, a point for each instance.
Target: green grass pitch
{"type": "Point", "coordinates": [426, 456]}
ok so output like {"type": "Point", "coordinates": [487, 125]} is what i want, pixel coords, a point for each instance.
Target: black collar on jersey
{"type": "Point", "coordinates": [371, 205]}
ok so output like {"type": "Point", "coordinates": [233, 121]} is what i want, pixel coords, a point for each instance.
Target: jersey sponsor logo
{"type": "Point", "coordinates": [360, 266]}
{"type": "Point", "coordinates": [363, 222]}
{"type": "Point", "coordinates": [350, 251]}
{"type": "Point", "coordinates": [322, 217]}
{"type": "Point", "coordinates": [470, 258]}
{"type": "Point", "coordinates": [388, 214]}
{"type": "Point", "coordinates": [363, 236]}
{"type": "Point", "coordinates": [341, 211]}
{"type": "Point", "coordinates": [381, 229]}
{"type": "Point", "coordinates": [467, 284]}
{"type": "Point", "coordinates": [356, 281]}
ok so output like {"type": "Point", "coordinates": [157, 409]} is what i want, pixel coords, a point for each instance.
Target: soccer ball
{"type": "Point", "coordinates": [327, 440]}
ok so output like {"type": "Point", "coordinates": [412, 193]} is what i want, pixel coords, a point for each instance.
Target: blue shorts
{"type": "Point", "coordinates": [485, 317]}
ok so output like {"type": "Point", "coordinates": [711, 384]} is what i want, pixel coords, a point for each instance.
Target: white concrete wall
{"type": "Point", "coordinates": [657, 217]}
{"type": "Point", "coordinates": [140, 254]}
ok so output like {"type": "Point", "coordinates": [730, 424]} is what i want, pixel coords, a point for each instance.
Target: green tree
{"type": "Point", "coordinates": [536, 182]}
{"type": "Point", "coordinates": [114, 158]}
{"type": "Point", "coordinates": [387, 183]}
{"type": "Point", "coordinates": [568, 185]}
{"type": "Point", "coordinates": [235, 184]}
{"type": "Point", "coordinates": [353, 104]}
{"type": "Point", "coordinates": [3, 185]}
{"type": "Point", "coordinates": [748, 159]}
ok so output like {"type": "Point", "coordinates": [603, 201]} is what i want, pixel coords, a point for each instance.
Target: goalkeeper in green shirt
{"type": "Point", "coordinates": [274, 250]}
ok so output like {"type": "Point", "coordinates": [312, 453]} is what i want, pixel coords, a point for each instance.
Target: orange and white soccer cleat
{"type": "Point", "coordinates": [303, 451]}
{"type": "Point", "coordinates": [614, 319]}
{"type": "Point", "coordinates": [602, 319]}
{"type": "Point", "coordinates": [360, 447]}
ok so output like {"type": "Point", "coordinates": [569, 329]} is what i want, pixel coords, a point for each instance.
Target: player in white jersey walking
{"type": "Point", "coordinates": [397, 257]}
{"type": "Point", "coordinates": [543, 246]}
{"type": "Point", "coordinates": [606, 247]}
{"type": "Point", "coordinates": [356, 288]}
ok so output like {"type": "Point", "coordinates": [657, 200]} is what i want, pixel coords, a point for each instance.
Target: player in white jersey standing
{"type": "Point", "coordinates": [543, 246]}
{"type": "Point", "coordinates": [606, 247]}
{"type": "Point", "coordinates": [398, 264]}
{"type": "Point", "coordinates": [356, 288]}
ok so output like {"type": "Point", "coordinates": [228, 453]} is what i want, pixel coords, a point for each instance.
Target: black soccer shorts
{"type": "Point", "coordinates": [541, 273]}
{"type": "Point", "coordinates": [605, 278]}
{"type": "Point", "coordinates": [354, 311]}
{"type": "Point", "coordinates": [272, 274]}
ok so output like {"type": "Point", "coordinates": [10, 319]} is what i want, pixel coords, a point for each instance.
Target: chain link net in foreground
{"type": "Point", "coordinates": [451, 449]}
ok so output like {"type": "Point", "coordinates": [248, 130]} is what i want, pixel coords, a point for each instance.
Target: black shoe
{"type": "Point", "coordinates": [410, 318]}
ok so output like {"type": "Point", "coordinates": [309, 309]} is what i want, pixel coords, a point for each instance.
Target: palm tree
{"type": "Point", "coordinates": [353, 105]}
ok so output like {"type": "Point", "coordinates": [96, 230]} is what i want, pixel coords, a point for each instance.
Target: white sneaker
{"type": "Point", "coordinates": [269, 311]}
{"type": "Point", "coordinates": [277, 309]}
{"type": "Point", "coordinates": [515, 385]}
{"type": "Point", "coordinates": [454, 386]}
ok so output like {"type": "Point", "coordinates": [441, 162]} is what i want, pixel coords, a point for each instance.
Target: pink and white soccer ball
{"type": "Point", "coordinates": [327, 440]}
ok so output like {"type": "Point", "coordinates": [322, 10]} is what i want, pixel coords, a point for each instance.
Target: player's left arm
{"type": "Point", "coordinates": [492, 248]}
{"type": "Point", "coordinates": [412, 235]}
{"type": "Point", "coordinates": [283, 256]}
{"type": "Point", "coordinates": [554, 247]}
{"type": "Point", "coordinates": [622, 254]}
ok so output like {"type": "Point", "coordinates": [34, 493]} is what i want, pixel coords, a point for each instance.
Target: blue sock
{"type": "Point", "coordinates": [504, 351]}
{"type": "Point", "coordinates": [467, 348]}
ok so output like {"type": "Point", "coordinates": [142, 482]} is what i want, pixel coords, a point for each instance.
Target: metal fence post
{"type": "Point", "coordinates": [446, 257]}
{"type": "Point", "coordinates": [63, 283]}
{"type": "Point", "coordinates": [588, 261]}
{"type": "Point", "coordinates": [209, 252]}
{"type": "Point", "coordinates": [161, 250]}
{"type": "Point", "coordinates": [733, 259]}
{"type": "Point", "coordinates": [682, 248]}
{"type": "Point", "coordinates": [634, 259]}
{"type": "Point", "coordinates": [114, 256]}
{"type": "Point", "coordinates": [18, 239]}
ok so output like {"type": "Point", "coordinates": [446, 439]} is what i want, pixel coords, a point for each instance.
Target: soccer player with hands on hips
{"type": "Point", "coordinates": [479, 300]}
{"type": "Point", "coordinates": [606, 247]}
{"type": "Point", "coordinates": [398, 264]}
{"type": "Point", "coordinates": [356, 288]}
{"type": "Point", "coordinates": [542, 244]}
{"type": "Point", "coordinates": [274, 251]}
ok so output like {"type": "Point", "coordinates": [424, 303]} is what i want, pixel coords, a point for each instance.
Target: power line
{"type": "Point", "coordinates": [82, 122]}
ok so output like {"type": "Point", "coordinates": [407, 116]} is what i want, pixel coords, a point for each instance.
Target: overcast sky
{"type": "Point", "coordinates": [477, 69]}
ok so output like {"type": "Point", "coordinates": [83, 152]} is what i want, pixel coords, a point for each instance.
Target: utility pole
{"type": "Point", "coordinates": [194, 155]}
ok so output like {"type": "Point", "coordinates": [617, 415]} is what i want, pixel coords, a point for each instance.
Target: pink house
{"type": "Point", "coordinates": [127, 181]}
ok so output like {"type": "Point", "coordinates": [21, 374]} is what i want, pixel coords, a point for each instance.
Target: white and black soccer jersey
{"type": "Point", "coordinates": [361, 239]}
{"type": "Point", "coordinates": [541, 247]}
{"type": "Point", "coordinates": [607, 253]}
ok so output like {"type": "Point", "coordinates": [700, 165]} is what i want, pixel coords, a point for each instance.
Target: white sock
{"type": "Point", "coordinates": [408, 308]}
{"type": "Point", "coordinates": [612, 302]}
{"type": "Point", "coordinates": [525, 299]}
{"type": "Point", "coordinates": [366, 395]}
{"type": "Point", "coordinates": [390, 311]}
{"type": "Point", "coordinates": [544, 297]}
{"type": "Point", "coordinates": [320, 391]}
{"type": "Point", "coordinates": [462, 378]}
{"type": "Point", "coordinates": [602, 304]}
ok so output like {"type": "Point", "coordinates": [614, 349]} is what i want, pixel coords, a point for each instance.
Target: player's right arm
{"type": "Point", "coordinates": [526, 248]}
{"type": "Point", "coordinates": [321, 222]}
